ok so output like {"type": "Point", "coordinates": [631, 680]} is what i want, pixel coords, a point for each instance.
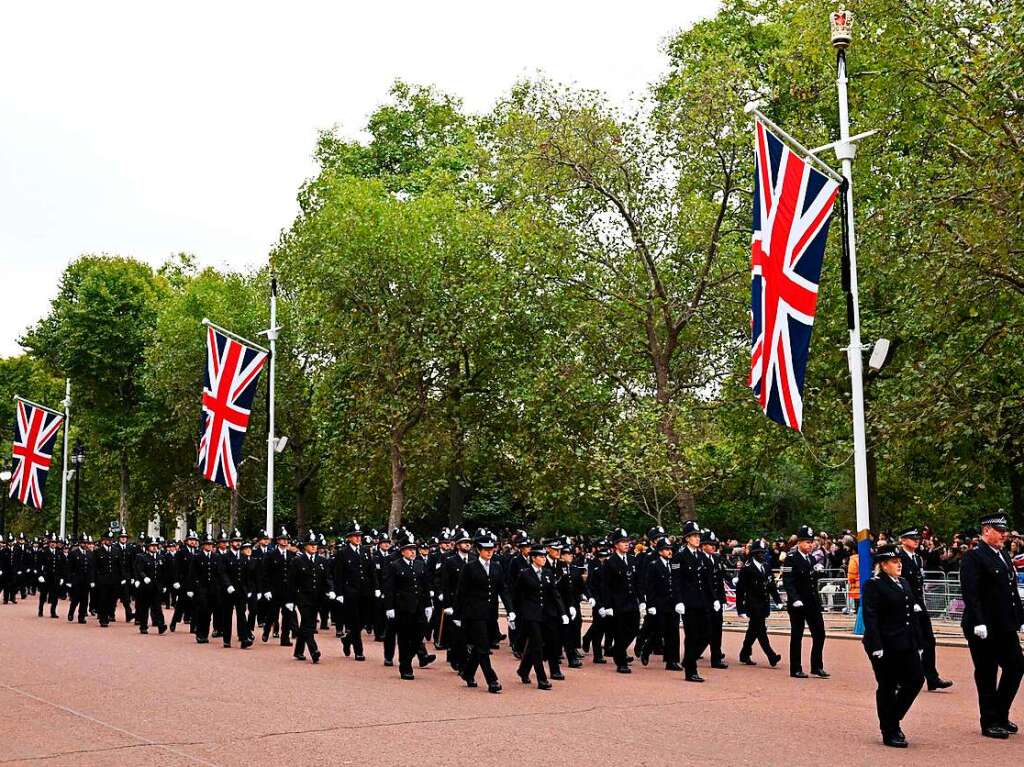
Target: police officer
{"type": "Point", "coordinates": [692, 572]}
{"type": "Point", "coordinates": [275, 581]}
{"type": "Point", "coordinates": [78, 579]}
{"type": "Point", "coordinates": [203, 586]}
{"type": "Point", "coordinates": [474, 605]}
{"type": "Point", "coordinates": [354, 580]}
{"type": "Point", "coordinates": [599, 633]}
{"type": "Point", "coordinates": [407, 603]}
{"type": "Point", "coordinates": [535, 599]}
{"type": "Point", "coordinates": [913, 572]}
{"type": "Point", "coordinates": [231, 576]}
{"type": "Point", "coordinates": [709, 543]}
{"type": "Point", "coordinates": [573, 593]}
{"type": "Point", "coordinates": [50, 575]}
{"type": "Point", "coordinates": [662, 594]}
{"type": "Point", "coordinates": [803, 603]}
{"type": "Point", "coordinates": [148, 579]}
{"type": "Point", "coordinates": [993, 614]}
{"type": "Point", "coordinates": [892, 644]}
{"type": "Point", "coordinates": [105, 577]}
{"type": "Point", "coordinates": [621, 594]}
{"type": "Point", "coordinates": [451, 635]}
{"type": "Point", "coordinates": [755, 593]}
{"type": "Point", "coordinates": [180, 581]}
{"type": "Point", "coordinates": [310, 581]}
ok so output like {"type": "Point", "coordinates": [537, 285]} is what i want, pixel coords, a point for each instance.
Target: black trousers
{"type": "Point", "coordinates": [715, 620]}
{"type": "Point", "coordinates": [10, 584]}
{"type": "Point", "coordinates": [649, 639]}
{"type": "Point", "coordinates": [353, 613]}
{"type": "Point", "coordinates": [78, 598]}
{"type": "Point", "coordinates": [900, 677]}
{"type": "Point", "coordinates": [48, 592]}
{"type": "Point", "coordinates": [148, 607]}
{"type": "Point", "coordinates": [598, 636]}
{"type": "Point", "coordinates": [307, 630]}
{"type": "Point", "coordinates": [531, 635]}
{"type": "Point", "coordinates": [799, 618]}
{"type": "Point", "coordinates": [203, 605]}
{"type": "Point", "coordinates": [665, 632]}
{"type": "Point", "coordinates": [478, 652]}
{"type": "Point", "coordinates": [124, 594]}
{"type": "Point", "coordinates": [409, 633]}
{"type": "Point", "coordinates": [277, 615]}
{"type": "Point", "coordinates": [757, 631]}
{"type": "Point", "coordinates": [106, 601]}
{"type": "Point", "coordinates": [627, 625]}
{"type": "Point", "coordinates": [254, 610]}
{"type": "Point", "coordinates": [927, 636]}
{"type": "Point", "coordinates": [999, 651]}
{"type": "Point", "coordinates": [695, 630]}
{"type": "Point", "coordinates": [454, 638]}
{"type": "Point", "coordinates": [182, 609]}
{"type": "Point", "coordinates": [233, 603]}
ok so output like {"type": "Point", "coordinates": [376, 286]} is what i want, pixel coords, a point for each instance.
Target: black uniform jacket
{"type": "Point", "coordinates": [756, 590]}
{"type": "Point", "coordinates": [889, 622]}
{"type": "Point", "coordinates": [477, 593]}
{"type": "Point", "coordinates": [989, 586]}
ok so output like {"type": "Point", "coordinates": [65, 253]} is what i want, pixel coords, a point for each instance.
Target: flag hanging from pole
{"type": "Point", "coordinates": [233, 368]}
{"type": "Point", "coordinates": [792, 209]}
{"type": "Point", "coordinates": [35, 432]}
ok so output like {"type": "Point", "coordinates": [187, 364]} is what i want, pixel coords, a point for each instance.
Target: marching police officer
{"type": "Point", "coordinates": [50, 569]}
{"type": "Point", "coordinates": [755, 593]}
{"type": "Point", "coordinates": [309, 578]}
{"type": "Point", "coordinates": [149, 576]}
{"type": "Point", "coordinates": [275, 581]}
{"type": "Point", "coordinates": [913, 572]}
{"type": "Point", "coordinates": [203, 587]}
{"type": "Point", "coordinates": [233, 588]}
{"type": "Point", "coordinates": [692, 571]}
{"type": "Point", "coordinates": [891, 642]}
{"type": "Point", "coordinates": [661, 591]}
{"type": "Point", "coordinates": [354, 580]}
{"type": "Point", "coordinates": [993, 615]}
{"type": "Point", "coordinates": [621, 594]}
{"type": "Point", "coordinates": [803, 603]}
{"type": "Point", "coordinates": [709, 544]}
{"type": "Point", "coordinates": [536, 602]}
{"type": "Point", "coordinates": [78, 579]}
{"type": "Point", "coordinates": [105, 577]}
{"type": "Point", "coordinates": [475, 605]}
{"type": "Point", "coordinates": [407, 604]}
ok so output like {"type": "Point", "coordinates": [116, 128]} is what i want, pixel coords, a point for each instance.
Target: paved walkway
{"type": "Point", "coordinates": [82, 695]}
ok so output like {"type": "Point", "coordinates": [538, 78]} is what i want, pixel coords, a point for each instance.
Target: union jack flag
{"type": "Point", "coordinates": [792, 210]}
{"type": "Point", "coordinates": [35, 431]}
{"type": "Point", "coordinates": [229, 385]}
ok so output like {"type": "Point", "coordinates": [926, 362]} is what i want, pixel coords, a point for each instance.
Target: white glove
{"type": "Point", "coordinates": [798, 603]}
{"type": "Point", "coordinates": [331, 595]}
{"type": "Point", "coordinates": [572, 613]}
{"type": "Point", "coordinates": [819, 568]}
{"type": "Point", "coordinates": [289, 606]}
{"type": "Point", "coordinates": [878, 653]}
{"type": "Point", "coordinates": [135, 584]}
{"type": "Point", "coordinates": [680, 608]}
{"type": "Point", "coordinates": [565, 620]}
{"type": "Point", "coordinates": [61, 581]}
{"type": "Point", "coordinates": [643, 607]}
{"type": "Point", "coordinates": [390, 615]}
{"type": "Point", "coordinates": [449, 610]}
{"type": "Point", "coordinates": [511, 617]}
{"type": "Point", "coordinates": [917, 608]}
{"type": "Point", "coordinates": [602, 612]}
{"type": "Point", "coordinates": [652, 610]}
{"type": "Point", "coordinates": [981, 631]}
{"type": "Point", "coordinates": [147, 580]}
{"type": "Point", "coordinates": [717, 606]}
{"type": "Point", "coordinates": [123, 581]}
{"type": "Point", "coordinates": [268, 596]}
{"type": "Point", "coordinates": [440, 597]}
{"type": "Point", "coordinates": [176, 586]}
{"type": "Point", "coordinates": [457, 622]}
{"type": "Point", "coordinates": [1022, 627]}
{"type": "Point", "coordinates": [609, 612]}
{"type": "Point", "coordinates": [511, 625]}
{"type": "Point", "coordinates": [340, 599]}
{"type": "Point", "coordinates": [42, 579]}
{"type": "Point", "coordinates": [231, 589]}
{"type": "Point", "coordinates": [428, 612]}
{"type": "Point", "coordinates": [190, 594]}
{"type": "Point", "coordinates": [248, 595]}
{"type": "Point", "coordinates": [93, 585]}
{"type": "Point", "coordinates": [592, 602]}
{"type": "Point", "coordinates": [736, 581]}
{"type": "Point", "coordinates": [376, 593]}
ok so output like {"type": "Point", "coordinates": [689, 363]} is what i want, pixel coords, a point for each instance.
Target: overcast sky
{"type": "Point", "coordinates": [145, 129]}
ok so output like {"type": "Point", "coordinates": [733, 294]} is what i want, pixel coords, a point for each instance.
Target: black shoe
{"type": "Point", "coordinates": [748, 661]}
{"type": "Point", "coordinates": [82, 621]}
{"type": "Point", "coordinates": [630, 659]}
{"type": "Point", "coordinates": [494, 688]}
{"type": "Point", "coordinates": [894, 740]}
{"type": "Point", "coordinates": [798, 675]}
{"type": "Point", "coordinates": [821, 673]}
{"type": "Point", "coordinates": [995, 732]}
{"type": "Point", "coordinates": [645, 658]}
{"type": "Point", "coordinates": [200, 640]}
{"type": "Point", "coordinates": [360, 657]}
{"type": "Point", "coordinates": [525, 679]}
{"type": "Point", "coordinates": [70, 618]}
{"type": "Point", "coordinates": [599, 661]}
{"type": "Point", "coordinates": [389, 663]}
{"type": "Point", "coordinates": [774, 660]}
{"type": "Point", "coordinates": [247, 643]}
{"type": "Point", "coordinates": [694, 678]}
{"type": "Point", "coordinates": [939, 684]}
{"type": "Point", "coordinates": [470, 682]}
{"type": "Point", "coordinates": [266, 636]}
{"type": "Point", "coordinates": [216, 635]}
{"type": "Point", "coordinates": [299, 657]}
{"type": "Point", "coordinates": [673, 667]}
{"type": "Point", "coordinates": [1010, 727]}
{"type": "Point", "coordinates": [543, 685]}
{"type": "Point", "coordinates": [720, 664]}
{"type": "Point", "coordinates": [557, 676]}
{"type": "Point", "coordinates": [407, 676]}
{"type": "Point", "coordinates": [162, 630]}
{"type": "Point", "coordinates": [346, 646]}
{"type": "Point", "coordinates": [315, 655]}
{"type": "Point", "coordinates": [574, 663]}
{"type": "Point", "coordinates": [286, 643]}
{"type": "Point", "coordinates": [426, 660]}
{"type": "Point", "coordinates": [143, 631]}
{"type": "Point", "coordinates": [174, 626]}
{"type": "Point", "coordinates": [624, 669]}
{"type": "Point", "coordinates": [227, 645]}
{"type": "Point", "coordinates": [586, 644]}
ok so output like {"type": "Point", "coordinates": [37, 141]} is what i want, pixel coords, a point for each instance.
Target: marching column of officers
{"type": "Point", "coordinates": [406, 591]}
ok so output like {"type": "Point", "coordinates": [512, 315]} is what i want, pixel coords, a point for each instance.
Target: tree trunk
{"type": "Point", "coordinates": [301, 522]}
{"type": "Point", "coordinates": [686, 502]}
{"type": "Point", "coordinates": [456, 478]}
{"type": "Point", "coordinates": [397, 479]}
{"type": "Point", "coordinates": [122, 506]}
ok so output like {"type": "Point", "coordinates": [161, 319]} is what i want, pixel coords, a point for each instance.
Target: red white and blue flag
{"type": "Point", "coordinates": [35, 432]}
{"type": "Point", "coordinates": [792, 209]}
{"type": "Point", "coordinates": [229, 385]}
